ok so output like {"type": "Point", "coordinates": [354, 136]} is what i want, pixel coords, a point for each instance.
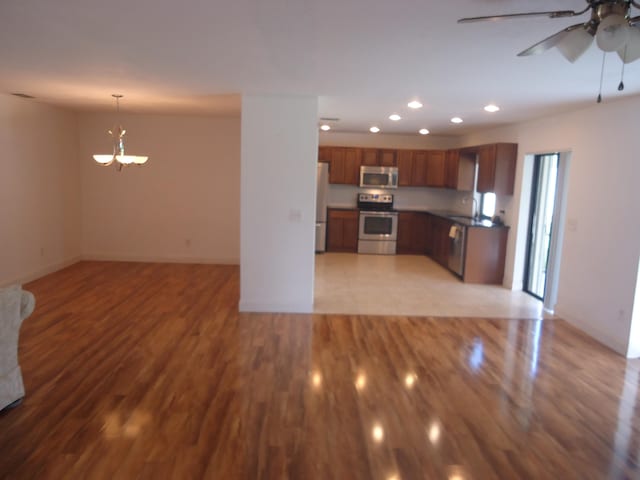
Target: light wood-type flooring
{"type": "Point", "coordinates": [409, 285]}
{"type": "Point", "coordinates": [149, 371]}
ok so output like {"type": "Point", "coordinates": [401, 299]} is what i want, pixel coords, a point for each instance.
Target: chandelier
{"type": "Point", "coordinates": [118, 156]}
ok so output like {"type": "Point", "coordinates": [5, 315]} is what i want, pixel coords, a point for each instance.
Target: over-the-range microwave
{"type": "Point", "coordinates": [378, 177]}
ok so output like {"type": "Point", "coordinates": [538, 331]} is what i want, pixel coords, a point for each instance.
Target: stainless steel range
{"type": "Point", "coordinates": [378, 230]}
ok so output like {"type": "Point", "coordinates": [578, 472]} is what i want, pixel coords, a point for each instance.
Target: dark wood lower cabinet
{"type": "Point", "coordinates": [413, 233]}
{"type": "Point", "coordinates": [438, 247]}
{"type": "Point", "coordinates": [485, 255]}
{"type": "Point", "coordinates": [342, 230]}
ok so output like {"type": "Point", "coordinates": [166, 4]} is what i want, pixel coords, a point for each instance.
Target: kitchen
{"type": "Point", "coordinates": [392, 209]}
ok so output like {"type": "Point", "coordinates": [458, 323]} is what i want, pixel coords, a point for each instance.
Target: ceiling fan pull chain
{"type": "Point", "coordinates": [621, 86]}
{"type": "Point", "coordinates": [604, 56]}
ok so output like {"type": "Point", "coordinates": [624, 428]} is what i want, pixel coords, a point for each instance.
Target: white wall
{"type": "Point", "coordinates": [39, 189]}
{"type": "Point", "coordinates": [183, 205]}
{"type": "Point", "coordinates": [279, 155]}
{"type": "Point", "coordinates": [601, 248]}
{"type": "Point", "coordinates": [387, 140]}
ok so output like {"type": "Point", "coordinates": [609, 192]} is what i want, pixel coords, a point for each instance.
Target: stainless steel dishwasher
{"type": "Point", "coordinates": [457, 245]}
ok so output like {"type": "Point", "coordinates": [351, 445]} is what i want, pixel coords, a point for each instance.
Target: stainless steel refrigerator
{"type": "Point", "coordinates": [322, 192]}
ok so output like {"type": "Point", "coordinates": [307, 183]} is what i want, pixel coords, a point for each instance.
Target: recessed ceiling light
{"type": "Point", "coordinates": [395, 117]}
{"type": "Point", "coordinates": [424, 131]}
{"type": "Point", "coordinates": [491, 108]}
{"type": "Point", "coordinates": [414, 104]}
{"type": "Point", "coordinates": [325, 128]}
{"type": "Point", "coordinates": [374, 129]}
{"type": "Point", "coordinates": [456, 120]}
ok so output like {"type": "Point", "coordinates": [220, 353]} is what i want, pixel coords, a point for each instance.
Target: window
{"type": "Point", "coordinates": [487, 205]}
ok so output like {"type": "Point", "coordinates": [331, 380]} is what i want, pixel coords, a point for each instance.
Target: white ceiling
{"type": "Point", "coordinates": [364, 58]}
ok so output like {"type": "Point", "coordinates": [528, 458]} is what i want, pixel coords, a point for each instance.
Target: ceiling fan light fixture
{"type": "Point", "coordinates": [631, 51]}
{"type": "Point", "coordinates": [613, 33]}
{"type": "Point", "coordinates": [575, 43]}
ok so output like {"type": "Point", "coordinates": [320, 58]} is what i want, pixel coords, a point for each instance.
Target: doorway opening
{"type": "Point", "coordinates": [541, 223]}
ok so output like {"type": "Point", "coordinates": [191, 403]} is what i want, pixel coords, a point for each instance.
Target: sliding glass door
{"type": "Point", "coordinates": [543, 194]}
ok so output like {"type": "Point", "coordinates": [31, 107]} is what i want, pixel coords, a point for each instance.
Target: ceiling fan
{"type": "Point", "coordinates": [614, 29]}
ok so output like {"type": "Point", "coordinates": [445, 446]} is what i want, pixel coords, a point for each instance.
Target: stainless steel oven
{"type": "Point", "coordinates": [378, 231]}
{"type": "Point", "coordinates": [378, 177]}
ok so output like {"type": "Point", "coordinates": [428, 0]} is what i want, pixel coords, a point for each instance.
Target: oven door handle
{"type": "Point", "coordinates": [380, 214]}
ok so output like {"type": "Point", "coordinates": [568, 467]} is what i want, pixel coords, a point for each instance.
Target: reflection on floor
{"type": "Point", "coordinates": [409, 285]}
{"type": "Point", "coordinates": [148, 371]}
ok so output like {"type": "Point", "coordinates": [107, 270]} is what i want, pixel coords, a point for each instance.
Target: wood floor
{"type": "Point", "coordinates": [148, 371]}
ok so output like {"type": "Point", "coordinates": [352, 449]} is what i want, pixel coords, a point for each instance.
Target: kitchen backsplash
{"type": "Point", "coordinates": [406, 198]}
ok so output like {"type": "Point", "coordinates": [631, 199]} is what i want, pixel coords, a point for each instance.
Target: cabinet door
{"type": "Point", "coordinates": [370, 157]}
{"type": "Point", "coordinates": [324, 154]}
{"type": "Point", "coordinates": [336, 165]}
{"type": "Point", "coordinates": [342, 231]}
{"type": "Point", "coordinates": [405, 222]}
{"type": "Point", "coordinates": [419, 233]}
{"type": "Point", "coordinates": [387, 158]}
{"type": "Point", "coordinates": [420, 162]}
{"type": "Point", "coordinates": [435, 168]}
{"type": "Point", "coordinates": [505, 173]}
{"type": "Point", "coordinates": [451, 169]}
{"type": "Point", "coordinates": [335, 231]}
{"type": "Point", "coordinates": [352, 166]}
{"type": "Point", "coordinates": [350, 232]}
{"type": "Point", "coordinates": [405, 167]}
{"type": "Point", "coordinates": [486, 168]}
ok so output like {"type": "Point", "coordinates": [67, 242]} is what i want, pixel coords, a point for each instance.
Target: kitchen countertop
{"type": "Point", "coordinates": [465, 220]}
{"type": "Point", "coordinates": [449, 215]}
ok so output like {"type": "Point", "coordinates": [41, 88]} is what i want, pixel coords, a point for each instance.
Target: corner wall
{"type": "Point", "coordinates": [39, 190]}
{"type": "Point", "coordinates": [601, 246]}
{"type": "Point", "coordinates": [182, 206]}
{"type": "Point", "coordinates": [278, 195]}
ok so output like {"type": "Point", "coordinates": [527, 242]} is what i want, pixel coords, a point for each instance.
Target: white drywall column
{"type": "Point", "coordinates": [277, 203]}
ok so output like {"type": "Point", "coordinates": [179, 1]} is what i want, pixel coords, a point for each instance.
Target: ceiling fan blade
{"type": "Point", "coordinates": [631, 52]}
{"type": "Point", "coordinates": [549, 42]}
{"type": "Point", "coordinates": [553, 14]}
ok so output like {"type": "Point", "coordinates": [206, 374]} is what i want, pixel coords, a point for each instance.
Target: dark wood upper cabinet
{"type": "Point", "coordinates": [451, 169]}
{"type": "Point", "coordinates": [352, 166]}
{"type": "Point", "coordinates": [324, 154]}
{"type": "Point", "coordinates": [370, 157]}
{"type": "Point", "coordinates": [344, 164]}
{"type": "Point", "coordinates": [420, 166]}
{"type": "Point", "coordinates": [405, 168]}
{"type": "Point", "coordinates": [435, 168]}
{"type": "Point", "coordinates": [387, 158]}
{"type": "Point", "coordinates": [497, 168]}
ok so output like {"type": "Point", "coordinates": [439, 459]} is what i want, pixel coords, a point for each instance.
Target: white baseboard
{"type": "Point", "coordinates": [593, 331]}
{"type": "Point", "coordinates": [41, 272]}
{"type": "Point", "coordinates": [266, 307]}
{"type": "Point", "coordinates": [107, 257]}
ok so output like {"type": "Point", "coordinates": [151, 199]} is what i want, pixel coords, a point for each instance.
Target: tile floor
{"type": "Point", "coordinates": [409, 285]}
